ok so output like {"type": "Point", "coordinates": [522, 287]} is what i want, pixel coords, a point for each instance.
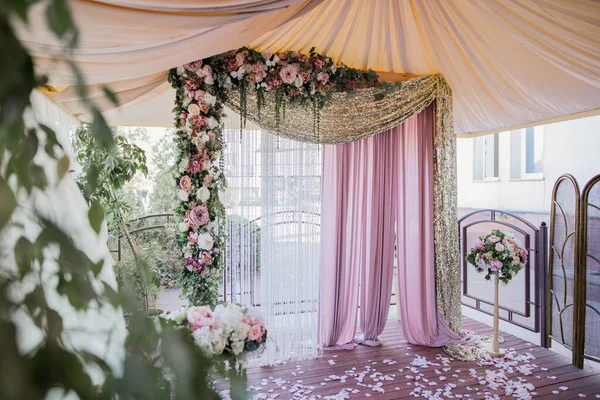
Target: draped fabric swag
{"type": "Point", "coordinates": [359, 114]}
{"type": "Point", "coordinates": [370, 187]}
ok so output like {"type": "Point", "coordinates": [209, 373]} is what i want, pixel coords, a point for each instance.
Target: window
{"type": "Point", "coordinates": [526, 153]}
{"type": "Point", "coordinates": [485, 157]}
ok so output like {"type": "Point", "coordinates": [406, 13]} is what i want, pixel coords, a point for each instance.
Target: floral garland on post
{"type": "Point", "coordinates": [202, 89]}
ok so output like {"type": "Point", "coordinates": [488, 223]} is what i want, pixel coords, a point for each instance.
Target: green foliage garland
{"type": "Point", "coordinates": [202, 88]}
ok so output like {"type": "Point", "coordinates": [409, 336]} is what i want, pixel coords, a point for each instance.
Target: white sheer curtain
{"type": "Point", "coordinates": [273, 256]}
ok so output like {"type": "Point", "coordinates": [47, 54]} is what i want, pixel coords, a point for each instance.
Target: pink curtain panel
{"type": "Point", "coordinates": [370, 187]}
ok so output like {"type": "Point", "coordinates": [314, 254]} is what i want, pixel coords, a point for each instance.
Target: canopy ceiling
{"type": "Point", "coordinates": [510, 63]}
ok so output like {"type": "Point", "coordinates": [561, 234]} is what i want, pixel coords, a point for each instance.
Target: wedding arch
{"type": "Point", "coordinates": [310, 98]}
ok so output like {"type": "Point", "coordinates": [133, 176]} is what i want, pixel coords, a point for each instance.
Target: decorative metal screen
{"type": "Point", "coordinates": [564, 236]}
{"type": "Point", "coordinates": [521, 302]}
{"type": "Point", "coordinates": [590, 268]}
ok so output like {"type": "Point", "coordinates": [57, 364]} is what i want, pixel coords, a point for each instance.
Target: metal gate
{"type": "Point", "coordinates": [574, 269]}
{"type": "Point", "coordinates": [521, 302]}
{"type": "Point", "coordinates": [588, 300]}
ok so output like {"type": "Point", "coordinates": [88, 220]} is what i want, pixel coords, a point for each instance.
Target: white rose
{"type": "Point", "coordinates": [203, 194]}
{"type": "Point", "coordinates": [208, 79]}
{"type": "Point", "coordinates": [206, 165]}
{"type": "Point", "coordinates": [183, 227]}
{"type": "Point", "coordinates": [240, 72]}
{"type": "Point", "coordinates": [183, 195]}
{"type": "Point", "coordinates": [204, 138]}
{"type": "Point", "coordinates": [275, 59]}
{"type": "Point", "coordinates": [212, 123]}
{"type": "Point", "coordinates": [205, 241]}
{"type": "Point", "coordinates": [180, 70]}
{"type": "Point", "coordinates": [193, 109]}
{"type": "Point", "coordinates": [499, 247]}
{"type": "Point", "coordinates": [219, 345]}
{"type": "Point", "coordinates": [298, 82]}
{"type": "Point", "coordinates": [186, 101]}
{"type": "Point", "coordinates": [184, 164]}
{"type": "Point", "coordinates": [209, 99]}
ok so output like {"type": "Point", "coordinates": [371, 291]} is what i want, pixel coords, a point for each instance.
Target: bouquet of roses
{"type": "Point", "coordinates": [230, 328]}
{"type": "Point", "coordinates": [499, 253]}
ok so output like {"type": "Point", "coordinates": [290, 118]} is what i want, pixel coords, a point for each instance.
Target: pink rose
{"type": "Point", "coordinates": [200, 316]}
{"type": "Point", "coordinates": [192, 237]}
{"type": "Point", "coordinates": [479, 245]}
{"type": "Point", "coordinates": [255, 334]}
{"type": "Point", "coordinates": [205, 259]}
{"type": "Point", "coordinates": [211, 135]}
{"type": "Point", "coordinates": [199, 95]}
{"type": "Point", "coordinates": [319, 63]}
{"type": "Point", "coordinates": [203, 108]}
{"type": "Point", "coordinates": [183, 115]}
{"type": "Point", "coordinates": [198, 216]}
{"type": "Point", "coordinates": [216, 250]}
{"type": "Point", "coordinates": [267, 54]}
{"type": "Point", "coordinates": [323, 77]}
{"type": "Point", "coordinates": [193, 66]}
{"type": "Point", "coordinates": [185, 183]}
{"type": "Point", "coordinates": [288, 73]}
{"type": "Point", "coordinates": [305, 76]}
{"type": "Point", "coordinates": [239, 59]}
{"type": "Point", "coordinates": [207, 181]}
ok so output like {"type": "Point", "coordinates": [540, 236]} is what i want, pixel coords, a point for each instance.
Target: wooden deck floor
{"type": "Point", "coordinates": [552, 375]}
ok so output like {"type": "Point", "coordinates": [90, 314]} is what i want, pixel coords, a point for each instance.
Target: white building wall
{"type": "Point", "coordinates": [569, 147]}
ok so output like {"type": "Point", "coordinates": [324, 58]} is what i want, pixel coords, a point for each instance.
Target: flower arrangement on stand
{"type": "Point", "coordinates": [227, 333]}
{"type": "Point", "coordinates": [202, 88]}
{"type": "Point", "coordinates": [501, 255]}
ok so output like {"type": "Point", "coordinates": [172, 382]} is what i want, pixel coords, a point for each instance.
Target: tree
{"type": "Point", "coordinates": [163, 198]}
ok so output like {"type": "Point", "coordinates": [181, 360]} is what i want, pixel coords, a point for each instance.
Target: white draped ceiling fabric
{"type": "Point", "coordinates": [510, 63]}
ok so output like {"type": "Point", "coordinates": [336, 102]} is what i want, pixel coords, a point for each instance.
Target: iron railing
{"type": "Point", "coordinates": [532, 314]}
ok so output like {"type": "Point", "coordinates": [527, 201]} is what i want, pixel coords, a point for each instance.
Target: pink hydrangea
{"type": "Point", "coordinates": [199, 317]}
{"type": "Point", "coordinates": [194, 167]}
{"type": "Point", "coordinates": [496, 265]}
{"type": "Point", "coordinates": [198, 120]}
